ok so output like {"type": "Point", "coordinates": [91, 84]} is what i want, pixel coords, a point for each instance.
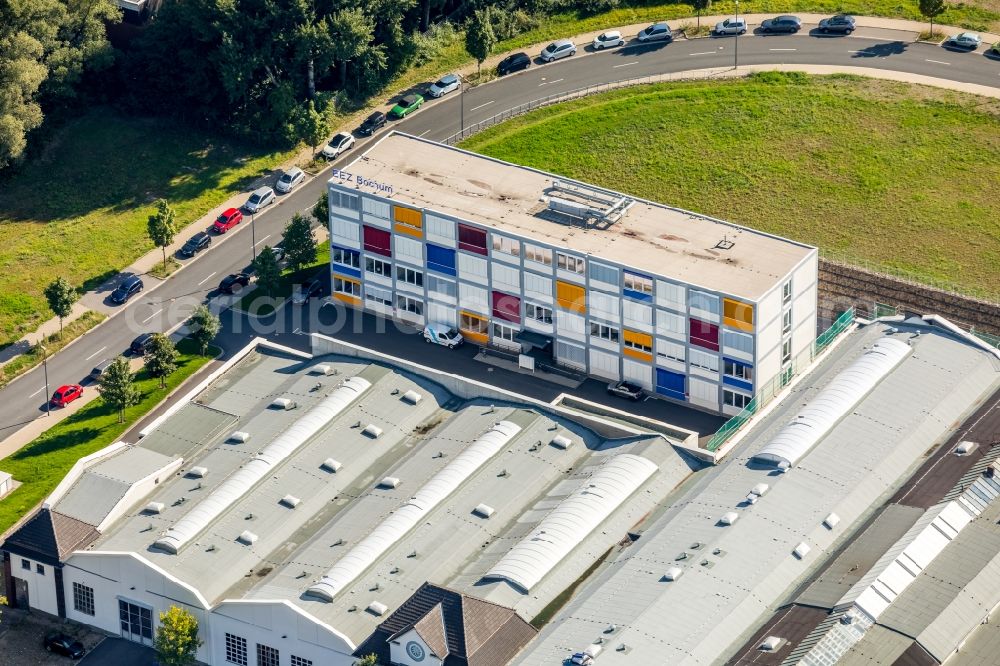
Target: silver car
{"type": "Point", "coordinates": [260, 199]}
{"type": "Point", "coordinates": [561, 49]}
{"type": "Point", "coordinates": [656, 32]}
{"type": "Point", "coordinates": [443, 86]}
{"type": "Point", "coordinates": [966, 40]}
{"type": "Point", "coordinates": [289, 180]}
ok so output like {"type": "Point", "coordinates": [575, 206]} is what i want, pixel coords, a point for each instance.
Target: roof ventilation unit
{"type": "Point", "coordinates": [291, 501]}
{"type": "Point", "coordinates": [965, 447]}
{"type": "Point", "coordinates": [389, 482]}
{"type": "Point", "coordinates": [593, 650]}
{"type": "Point", "coordinates": [752, 499]}
{"type": "Point", "coordinates": [771, 643]}
{"type": "Point", "coordinates": [248, 537]}
{"type": "Point", "coordinates": [283, 403]}
{"type": "Point", "coordinates": [483, 510]}
{"type": "Point", "coordinates": [729, 518]}
{"type": "Point", "coordinates": [372, 431]}
{"type": "Point", "coordinates": [831, 521]}
{"type": "Point", "coordinates": [154, 507]}
{"type": "Point", "coordinates": [322, 369]}
{"type": "Point", "coordinates": [377, 608]}
{"type": "Point", "coordinates": [561, 442]}
{"type": "Point", "coordinates": [760, 489]}
{"type": "Point", "coordinates": [239, 436]}
{"type": "Point", "coordinates": [198, 472]}
{"type": "Point", "coordinates": [801, 550]}
{"type": "Point", "coordinates": [673, 573]}
{"type": "Point", "coordinates": [412, 397]}
{"type": "Point", "coordinates": [331, 465]}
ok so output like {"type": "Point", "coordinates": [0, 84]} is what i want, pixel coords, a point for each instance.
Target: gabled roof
{"type": "Point", "coordinates": [431, 629]}
{"type": "Point", "coordinates": [50, 537]}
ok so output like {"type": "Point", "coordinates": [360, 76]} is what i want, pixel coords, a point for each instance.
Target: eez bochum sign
{"type": "Point", "coordinates": [348, 177]}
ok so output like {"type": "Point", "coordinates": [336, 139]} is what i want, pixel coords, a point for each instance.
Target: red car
{"type": "Point", "coordinates": [65, 395]}
{"type": "Point", "coordinates": [229, 219]}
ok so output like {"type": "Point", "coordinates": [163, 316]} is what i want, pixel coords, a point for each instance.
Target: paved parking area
{"type": "Point", "coordinates": [21, 636]}
{"type": "Point", "coordinates": [120, 651]}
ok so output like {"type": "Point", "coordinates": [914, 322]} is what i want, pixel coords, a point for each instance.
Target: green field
{"type": "Point", "coordinates": [886, 174]}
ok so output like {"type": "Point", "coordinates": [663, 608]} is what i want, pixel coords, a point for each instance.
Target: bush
{"type": "Point", "coordinates": [430, 45]}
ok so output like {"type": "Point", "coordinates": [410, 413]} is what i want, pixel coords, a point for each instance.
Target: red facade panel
{"type": "Point", "coordinates": [506, 307]}
{"type": "Point", "coordinates": [472, 239]}
{"type": "Point", "coordinates": [378, 241]}
{"type": "Point", "coordinates": [704, 334]}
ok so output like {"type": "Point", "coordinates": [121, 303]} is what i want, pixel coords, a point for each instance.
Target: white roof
{"type": "Point", "coordinates": [432, 493]}
{"type": "Point", "coordinates": [572, 520]}
{"type": "Point", "coordinates": [237, 485]}
{"type": "Point", "coordinates": [834, 402]}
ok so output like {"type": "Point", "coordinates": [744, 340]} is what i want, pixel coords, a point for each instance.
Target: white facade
{"type": "Point", "coordinates": [409, 649]}
{"type": "Point", "coordinates": [39, 580]}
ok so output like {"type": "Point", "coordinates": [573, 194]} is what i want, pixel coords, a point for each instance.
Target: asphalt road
{"type": "Point", "coordinates": [169, 304]}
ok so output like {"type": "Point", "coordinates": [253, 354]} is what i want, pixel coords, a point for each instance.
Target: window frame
{"type": "Point", "coordinates": [736, 370]}
{"type": "Point", "coordinates": [336, 250]}
{"type": "Point", "coordinates": [410, 305]}
{"type": "Point", "coordinates": [533, 252]}
{"type": "Point", "coordinates": [506, 245]}
{"type": "Point", "coordinates": [571, 263]}
{"type": "Point", "coordinates": [237, 651]}
{"type": "Point", "coordinates": [504, 330]}
{"type": "Point", "coordinates": [355, 291]}
{"type": "Point", "coordinates": [83, 599]}
{"type": "Point", "coordinates": [729, 399]}
{"type": "Point", "coordinates": [410, 276]}
{"type": "Point", "coordinates": [384, 267]}
{"type": "Point", "coordinates": [606, 332]}
{"type": "Point", "coordinates": [532, 310]}
{"type": "Point", "coordinates": [267, 655]}
{"type": "Point", "coordinates": [786, 322]}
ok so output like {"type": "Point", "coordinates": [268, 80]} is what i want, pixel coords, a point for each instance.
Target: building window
{"type": "Point", "coordinates": [704, 361]}
{"type": "Point", "coordinates": [39, 569]}
{"type": "Point", "coordinates": [378, 241]}
{"type": "Point", "coordinates": [638, 341]}
{"type": "Point", "coordinates": [25, 564]}
{"type": "Point", "coordinates": [506, 245]}
{"type": "Point", "coordinates": [472, 239]}
{"type": "Point", "coordinates": [604, 332]}
{"type": "Point", "coordinates": [571, 297]}
{"type": "Point", "coordinates": [786, 292]}
{"type": "Point", "coordinates": [375, 207]}
{"type": "Point", "coordinates": [411, 305]}
{"type": "Point", "coordinates": [738, 341]}
{"type": "Point", "coordinates": [83, 599]}
{"type": "Point", "coordinates": [704, 334]}
{"type": "Point", "coordinates": [409, 276]}
{"type": "Point", "coordinates": [376, 295]}
{"type": "Point", "coordinates": [786, 351]}
{"type": "Point", "coordinates": [602, 273]}
{"type": "Point", "coordinates": [345, 257]}
{"type": "Point", "coordinates": [541, 255]}
{"type": "Point", "coordinates": [473, 297]}
{"type": "Point", "coordinates": [501, 332]}
{"type": "Point", "coordinates": [408, 217]}
{"type": "Point", "coordinates": [640, 284]}
{"type": "Point", "coordinates": [637, 314]}
{"type": "Point", "coordinates": [506, 277]}
{"type": "Point", "coordinates": [236, 649]}
{"type": "Point", "coordinates": [737, 314]}
{"type": "Point", "coordinates": [441, 287]}
{"type": "Point", "coordinates": [349, 287]}
{"type": "Point", "coordinates": [670, 324]}
{"type": "Point", "coordinates": [301, 661]}
{"type": "Point", "coordinates": [786, 322]}
{"type": "Point", "coordinates": [570, 263]}
{"type": "Point", "coordinates": [343, 200]}
{"type": "Point", "coordinates": [472, 267]}
{"type": "Point", "coordinates": [408, 249]}
{"type": "Point", "coordinates": [737, 370]}
{"type": "Point", "coordinates": [472, 323]}
{"type": "Point", "coordinates": [378, 267]}
{"type": "Point", "coordinates": [267, 655]}
{"type": "Point", "coordinates": [732, 399]}
{"type": "Point", "coordinates": [571, 354]}
{"type": "Point", "coordinates": [538, 313]}
{"type": "Point", "coordinates": [671, 295]}
{"type": "Point", "coordinates": [671, 351]}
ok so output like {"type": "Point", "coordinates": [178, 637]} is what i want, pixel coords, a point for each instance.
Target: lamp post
{"type": "Point", "coordinates": [253, 238]}
{"type": "Point", "coordinates": [461, 105]}
{"type": "Point", "coordinates": [45, 369]}
{"type": "Point", "coordinates": [736, 62]}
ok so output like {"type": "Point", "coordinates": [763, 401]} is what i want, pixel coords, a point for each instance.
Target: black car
{"type": "Point", "coordinates": [372, 124]}
{"type": "Point", "coordinates": [626, 390]}
{"type": "Point", "coordinates": [128, 288]}
{"type": "Point", "coordinates": [790, 24]}
{"type": "Point", "coordinates": [233, 283]}
{"type": "Point", "coordinates": [303, 293]}
{"type": "Point", "coordinates": [141, 344]}
{"type": "Point", "coordinates": [196, 244]}
{"type": "Point", "coordinates": [513, 63]}
{"type": "Point", "coordinates": [65, 645]}
{"type": "Point", "coordinates": [839, 23]}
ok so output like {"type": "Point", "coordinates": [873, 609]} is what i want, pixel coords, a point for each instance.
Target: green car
{"type": "Point", "coordinates": [408, 104]}
{"type": "Point", "coordinates": [995, 49]}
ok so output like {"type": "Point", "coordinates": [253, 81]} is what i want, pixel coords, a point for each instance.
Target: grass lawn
{"type": "Point", "coordinates": [24, 362]}
{"type": "Point", "coordinates": [897, 176]}
{"type": "Point", "coordinates": [42, 464]}
{"type": "Point", "coordinates": [80, 209]}
{"type": "Point", "coordinates": [258, 303]}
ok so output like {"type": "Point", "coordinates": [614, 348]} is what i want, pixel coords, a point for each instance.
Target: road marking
{"type": "Point", "coordinates": [937, 62]}
{"type": "Point", "coordinates": [545, 83]}
{"type": "Point", "coordinates": [625, 64]}
{"type": "Point", "coordinates": [263, 239]}
{"type": "Point", "coordinates": [703, 53]}
{"type": "Point", "coordinates": [96, 353]}
{"type": "Point", "coordinates": [476, 108]}
{"type": "Point", "coordinates": [425, 132]}
{"type": "Point", "coordinates": [209, 277]}
{"type": "Point", "coordinates": [152, 315]}
{"type": "Point", "coordinates": [782, 49]}
{"type": "Point", "coordinates": [36, 392]}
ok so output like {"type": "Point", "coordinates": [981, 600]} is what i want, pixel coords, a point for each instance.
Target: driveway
{"type": "Point", "coordinates": [120, 651]}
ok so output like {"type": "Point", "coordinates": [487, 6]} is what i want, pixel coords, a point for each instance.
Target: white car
{"type": "Point", "coordinates": [966, 40]}
{"type": "Point", "coordinates": [443, 334]}
{"type": "Point", "coordinates": [656, 32]}
{"type": "Point", "coordinates": [607, 40]}
{"type": "Point", "coordinates": [561, 49]}
{"type": "Point", "coordinates": [340, 143]}
{"type": "Point", "coordinates": [443, 86]}
{"type": "Point", "coordinates": [289, 180]}
{"type": "Point", "coordinates": [731, 26]}
{"type": "Point", "coordinates": [261, 198]}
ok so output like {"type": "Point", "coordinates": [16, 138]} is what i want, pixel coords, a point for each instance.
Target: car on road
{"type": "Point", "coordinates": [98, 370]}
{"type": "Point", "coordinates": [562, 48]}
{"type": "Point", "coordinates": [196, 244]}
{"type": "Point", "coordinates": [279, 253]}
{"type": "Point", "coordinates": [443, 334]}
{"type": "Point", "coordinates": [261, 198]}
{"type": "Point", "coordinates": [289, 180]}
{"type": "Point", "coordinates": [784, 23]}
{"type": "Point", "coordinates": [340, 143]}
{"type": "Point", "coordinates": [372, 124]}
{"type": "Point", "coordinates": [65, 395]}
{"type": "Point", "coordinates": [126, 289]}
{"type": "Point", "coordinates": [513, 63]}
{"type": "Point", "coordinates": [302, 293]}
{"type": "Point", "coordinates": [64, 645]}
{"type": "Point", "coordinates": [444, 85]}
{"type": "Point", "coordinates": [966, 40]}
{"type": "Point", "coordinates": [234, 283]}
{"type": "Point", "coordinates": [141, 344]}
{"type": "Point", "coordinates": [227, 220]}
{"type": "Point", "coordinates": [626, 390]}
{"type": "Point", "coordinates": [656, 33]}
{"type": "Point", "coordinates": [843, 23]}
{"type": "Point", "coordinates": [995, 49]}
{"type": "Point", "coordinates": [406, 106]}
{"type": "Point", "coordinates": [731, 26]}
{"type": "Point", "coordinates": [607, 40]}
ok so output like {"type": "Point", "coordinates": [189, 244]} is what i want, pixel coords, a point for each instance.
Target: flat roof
{"type": "Point", "coordinates": [650, 237]}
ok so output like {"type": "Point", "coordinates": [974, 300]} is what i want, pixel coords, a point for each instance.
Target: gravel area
{"type": "Point", "coordinates": [21, 636]}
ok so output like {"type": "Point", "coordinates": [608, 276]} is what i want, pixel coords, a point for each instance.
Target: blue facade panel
{"type": "Point", "coordinates": [441, 259]}
{"type": "Point", "coordinates": [346, 252]}
{"type": "Point", "coordinates": [637, 295]}
{"type": "Point", "coordinates": [670, 384]}
{"type": "Point", "coordinates": [741, 384]}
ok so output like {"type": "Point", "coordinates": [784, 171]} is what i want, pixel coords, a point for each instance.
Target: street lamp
{"type": "Point", "coordinates": [253, 238]}
{"type": "Point", "coordinates": [45, 369]}
{"type": "Point", "coordinates": [461, 113]}
{"type": "Point", "coordinates": [736, 62]}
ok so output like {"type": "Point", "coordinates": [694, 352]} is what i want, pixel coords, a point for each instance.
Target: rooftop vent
{"type": "Point", "coordinates": [752, 499]}
{"type": "Point", "coordinates": [377, 608]}
{"type": "Point", "coordinates": [239, 436]}
{"type": "Point", "coordinates": [783, 466]}
{"type": "Point", "coordinates": [412, 397]}
{"type": "Point", "coordinates": [729, 518]}
{"type": "Point", "coordinates": [585, 202]}
{"type": "Point", "coordinates": [673, 573]}
{"type": "Point", "coordinates": [290, 501]}
{"type": "Point", "coordinates": [593, 650]}
{"type": "Point", "coordinates": [760, 489]}
{"type": "Point", "coordinates": [389, 482]}
{"type": "Point", "coordinates": [283, 403]}
{"type": "Point", "coordinates": [154, 507]}
{"type": "Point", "coordinates": [323, 369]}
{"type": "Point", "coordinates": [725, 243]}
{"type": "Point", "coordinates": [248, 537]}
{"type": "Point", "coordinates": [801, 550]}
{"type": "Point", "coordinates": [831, 521]}
{"type": "Point", "coordinates": [848, 617]}
{"type": "Point", "coordinates": [561, 442]}
{"type": "Point", "coordinates": [965, 447]}
{"type": "Point", "coordinates": [372, 431]}
{"type": "Point", "coordinates": [198, 472]}
{"type": "Point", "coordinates": [483, 510]}
{"type": "Point", "coordinates": [331, 465]}
{"type": "Point", "coordinates": [771, 643]}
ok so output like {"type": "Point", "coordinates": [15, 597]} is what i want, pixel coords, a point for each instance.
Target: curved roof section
{"type": "Point", "coordinates": [572, 520]}
{"type": "Point", "coordinates": [833, 403]}
{"type": "Point", "coordinates": [392, 529]}
{"type": "Point", "coordinates": [237, 485]}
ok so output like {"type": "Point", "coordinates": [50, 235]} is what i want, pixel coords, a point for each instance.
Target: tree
{"type": "Point", "coordinates": [299, 242]}
{"type": "Point", "coordinates": [268, 271]}
{"type": "Point", "coordinates": [203, 327]}
{"type": "Point", "coordinates": [367, 660]}
{"type": "Point", "coordinates": [161, 228]}
{"type": "Point", "coordinates": [161, 358]}
{"type": "Point", "coordinates": [931, 9]}
{"type": "Point", "coordinates": [61, 296]}
{"type": "Point", "coordinates": [479, 37]}
{"type": "Point", "coordinates": [321, 210]}
{"type": "Point", "coordinates": [699, 6]}
{"type": "Point", "coordinates": [352, 32]}
{"type": "Point", "coordinates": [117, 387]}
{"type": "Point", "coordinates": [314, 125]}
{"type": "Point", "coordinates": [177, 641]}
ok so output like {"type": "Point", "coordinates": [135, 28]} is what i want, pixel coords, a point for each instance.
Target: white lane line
{"type": "Point", "coordinates": [625, 64]}
{"type": "Point", "coordinates": [937, 62]}
{"type": "Point", "coordinates": [263, 239]}
{"type": "Point", "coordinates": [425, 132]}
{"type": "Point", "coordinates": [545, 83]}
{"type": "Point", "coordinates": [96, 353]}
{"type": "Point", "coordinates": [36, 392]}
{"type": "Point", "coordinates": [209, 277]}
{"type": "Point", "coordinates": [152, 315]}
{"type": "Point", "coordinates": [782, 49]}
{"type": "Point", "coordinates": [703, 53]}
{"type": "Point", "coordinates": [476, 108]}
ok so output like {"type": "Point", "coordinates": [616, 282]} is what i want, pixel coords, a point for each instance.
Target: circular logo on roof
{"type": "Point", "coordinates": [415, 651]}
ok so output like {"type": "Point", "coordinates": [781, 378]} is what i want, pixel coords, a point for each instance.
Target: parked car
{"type": "Point", "coordinates": [840, 23]}
{"type": "Point", "coordinates": [995, 49]}
{"type": "Point", "coordinates": [340, 143]}
{"type": "Point", "coordinates": [279, 253]}
{"type": "Point", "coordinates": [731, 26]}
{"type": "Point", "coordinates": [406, 106]}
{"type": "Point", "coordinates": [562, 48]}
{"type": "Point", "coordinates": [126, 289]}
{"type": "Point", "coordinates": [966, 40]}
{"type": "Point", "coordinates": [141, 344]}
{"type": "Point", "coordinates": [626, 390]}
{"type": "Point", "coordinates": [442, 334]}
{"type": "Point", "coordinates": [290, 179]}
{"type": "Point", "coordinates": [65, 395]}
{"type": "Point", "coordinates": [261, 198]}
{"type": "Point", "coordinates": [64, 645]}
{"type": "Point", "coordinates": [98, 370]}
{"type": "Point", "coordinates": [656, 32]}
{"type": "Point", "coordinates": [234, 283]}
{"type": "Point", "coordinates": [513, 63]}
{"type": "Point", "coordinates": [372, 124]}
{"type": "Point", "coordinates": [227, 220]}
{"type": "Point", "coordinates": [302, 293]}
{"type": "Point", "coordinates": [607, 40]}
{"type": "Point", "coordinates": [444, 85]}
{"type": "Point", "coordinates": [789, 24]}
{"type": "Point", "coordinates": [196, 244]}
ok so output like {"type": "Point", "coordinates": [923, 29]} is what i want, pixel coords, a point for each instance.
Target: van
{"type": "Point", "coordinates": [443, 334]}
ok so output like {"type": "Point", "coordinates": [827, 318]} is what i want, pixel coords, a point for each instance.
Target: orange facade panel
{"type": "Point", "coordinates": [408, 216]}
{"type": "Point", "coordinates": [349, 300]}
{"type": "Point", "coordinates": [571, 297]}
{"type": "Point", "coordinates": [737, 314]}
{"type": "Point", "coordinates": [637, 338]}
{"type": "Point", "coordinates": [474, 327]}
{"type": "Point", "coordinates": [636, 354]}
